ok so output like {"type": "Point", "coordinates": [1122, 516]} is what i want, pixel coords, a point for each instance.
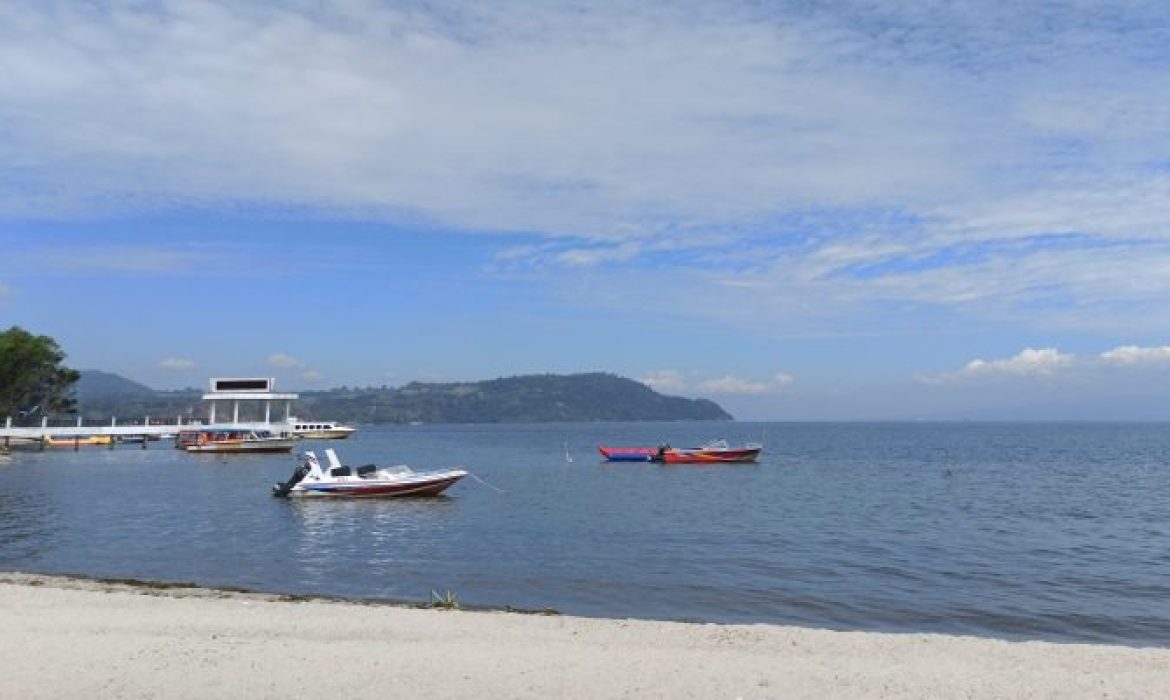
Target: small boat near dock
{"type": "Point", "coordinates": [72, 441]}
{"type": "Point", "coordinates": [228, 440]}
{"type": "Point", "coordinates": [368, 481]}
{"type": "Point", "coordinates": [321, 430]}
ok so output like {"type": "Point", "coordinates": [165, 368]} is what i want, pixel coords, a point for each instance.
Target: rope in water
{"type": "Point", "coordinates": [473, 476]}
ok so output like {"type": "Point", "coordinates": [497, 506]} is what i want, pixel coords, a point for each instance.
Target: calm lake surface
{"type": "Point", "coordinates": [1045, 531]}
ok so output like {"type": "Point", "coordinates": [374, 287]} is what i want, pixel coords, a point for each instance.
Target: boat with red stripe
{"type": "Point", "coordinates": [367, 481]}
{"type": "Point", "coordinates": [714, 452]}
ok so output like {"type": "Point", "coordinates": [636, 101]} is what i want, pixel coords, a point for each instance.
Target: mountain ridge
{"type": "Point", "coordinates": [534, 398]}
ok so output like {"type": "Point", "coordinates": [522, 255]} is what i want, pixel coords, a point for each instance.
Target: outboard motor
{"type": "Point", "coordinates": [281, 490]}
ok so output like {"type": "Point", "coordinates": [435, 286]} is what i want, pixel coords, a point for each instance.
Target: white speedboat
{"type": "Point", "coordinates": [321, 430]}
{"type": "Point", "coordinates": [369, 481]}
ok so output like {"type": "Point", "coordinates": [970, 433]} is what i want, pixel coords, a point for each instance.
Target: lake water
{"type": "Point", "coordinates": [1044, 531]}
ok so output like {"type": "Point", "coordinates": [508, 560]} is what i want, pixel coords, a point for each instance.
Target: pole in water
{"type": "Point", "coordinates": [568, 457]}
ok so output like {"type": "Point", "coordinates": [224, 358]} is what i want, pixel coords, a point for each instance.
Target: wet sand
{"type": "Point", "coordinates": [76, 638]}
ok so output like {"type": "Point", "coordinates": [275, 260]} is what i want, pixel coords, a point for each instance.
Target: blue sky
{"type": "Point", "coordinates": [855, 210]}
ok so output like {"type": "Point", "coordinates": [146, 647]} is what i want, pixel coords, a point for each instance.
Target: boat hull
{"type": "Point", "coordinates": [416, 485]}
{"type": "Point", "coordinates": [682, 455]}
{"type": "Point", "coordinates": [330, 434]}
{"type": "Point", "coordinates": [233, 440]}
{"type": "Point", "coordinates": [629, 454]}
{"type": "Point", "coordinates": [79, 441]}
{"type": "Point", "coordinates": [239, 449]}
{"type": "Point", "coordinates": [700, 456]}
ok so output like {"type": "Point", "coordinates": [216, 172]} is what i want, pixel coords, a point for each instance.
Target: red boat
{"type": "Point", "coordinates": [717, 451]}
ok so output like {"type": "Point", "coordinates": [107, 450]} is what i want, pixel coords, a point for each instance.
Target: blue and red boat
{"type": "Point", "coordinates": [716, 451]}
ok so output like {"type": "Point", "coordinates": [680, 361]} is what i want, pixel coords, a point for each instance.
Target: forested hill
{"type": "Point", "coordinates": [528, 399]}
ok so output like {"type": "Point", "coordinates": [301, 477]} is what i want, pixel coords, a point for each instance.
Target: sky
{"type": "Point", "coordinates": [846, 210]}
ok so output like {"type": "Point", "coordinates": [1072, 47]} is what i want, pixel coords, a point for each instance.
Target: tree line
{"type": "Point", "coordinates": [33, 380]}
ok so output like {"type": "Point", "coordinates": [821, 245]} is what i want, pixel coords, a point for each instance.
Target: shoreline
{"type": "Point", "coordinates": [66, 636]}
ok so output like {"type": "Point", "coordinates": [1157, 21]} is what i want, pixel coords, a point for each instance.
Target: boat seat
{"type": "Point", "coordinates": [340, 471]}
{"type": "Point", "coordinates": [367, 469]}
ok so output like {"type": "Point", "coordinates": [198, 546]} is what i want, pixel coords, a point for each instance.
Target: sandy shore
{"type": "Point", "coordinates": [69, 638]}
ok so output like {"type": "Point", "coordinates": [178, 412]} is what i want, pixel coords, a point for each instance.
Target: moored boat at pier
{"type": "Point", "coordinates": [321, 430]}
{"type": "Point", "coordinates": [76, 440]}
{"type": "Point", "coordinates": [228, 440]}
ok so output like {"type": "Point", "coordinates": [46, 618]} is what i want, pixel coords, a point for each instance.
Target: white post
{"type": "Point", "coordinates": [267, 410]}
{"type": "Point", "coordinates": [78, 420]}
{"type": "Point", "coordinates": [236, 411]}
{"type": "Point", "coordinates": [114, 421]}
{"type": "Point", "coordinates": [8, 422]}
{"type": "Point", "coordinates": [211, 417]}
{"type": "Point", "coordinates": [44, 421]}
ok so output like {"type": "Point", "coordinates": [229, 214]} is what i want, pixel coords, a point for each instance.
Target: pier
{"type": "Point", "coordinates": [232, 391]}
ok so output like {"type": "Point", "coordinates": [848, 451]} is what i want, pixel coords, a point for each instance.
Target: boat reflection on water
{"type": "Point", "coordinates": [365, 538]}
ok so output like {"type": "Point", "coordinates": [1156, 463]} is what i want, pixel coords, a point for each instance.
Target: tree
{"type": "Point", "coordinates": [32, 379]}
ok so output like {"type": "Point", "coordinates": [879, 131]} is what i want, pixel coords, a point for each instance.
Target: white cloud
{"type": "Point", "coordinates": [1134, 355]}
{"type": "Point", "coordinates": [586, 118]}
{"type": "Point", "coordinates": [731, 384]}
{"type": "Point", "coordinates": [782, 379]}
{"type": "Point", "coordinates": [586, 257]}
{"type": "Point", "coordinates": [177, 364]}
{"type": "Point", "coordinates": [665, 380]}
{"type": "Point", "coordinates": [672, 381]}
{"type": "Point", "coordinates": [617, 129]}
{"type": "Point", "coordinates": [282, 361]}
{"type": "Point", "coordinates": [1029, 362]}
{"type": "Point", "coordinates": [302, 369]}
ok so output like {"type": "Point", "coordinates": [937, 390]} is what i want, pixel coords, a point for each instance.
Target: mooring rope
{"type": "Point", "coordinates": [473, 476]}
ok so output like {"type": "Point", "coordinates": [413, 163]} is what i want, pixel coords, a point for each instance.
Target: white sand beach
{"type": "Point", "coordinates": [72, 638]}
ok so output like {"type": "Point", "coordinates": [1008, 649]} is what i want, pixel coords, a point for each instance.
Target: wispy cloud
{"type": "Point", "coordinates": [280, 360]}
{"type": "Point", "coordinates": [176, 364]}
{"type": "Point", "coordinates": [1029, 362]}
{"type": "Point", "coordinates": [301, 369]}
{"type": "Point", "coordinates": [1133, 355]}
{"type": "Point", "coordinates": [731, 384]}
{"type": "Point", "coordinates": [1049, 362]}
{"type": "Point", "coordinates": [982, 161]}
{"type": "Point", "coordinates": [667, 381]}
{"type": "Point", "coordinates": [677, 382]}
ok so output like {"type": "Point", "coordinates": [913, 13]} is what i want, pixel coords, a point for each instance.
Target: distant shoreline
{"type": "Point", "coordinates": [142, 639]}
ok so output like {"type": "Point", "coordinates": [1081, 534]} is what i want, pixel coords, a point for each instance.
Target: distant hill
{"type": "Point", "coordinates": [527, 399]}
{"type": "Point", "coordinates": [102, 395]}
{"type": "Point", "coordinates": [95, 383]}
{"type": "Point", "coordinates": [593, 396]}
